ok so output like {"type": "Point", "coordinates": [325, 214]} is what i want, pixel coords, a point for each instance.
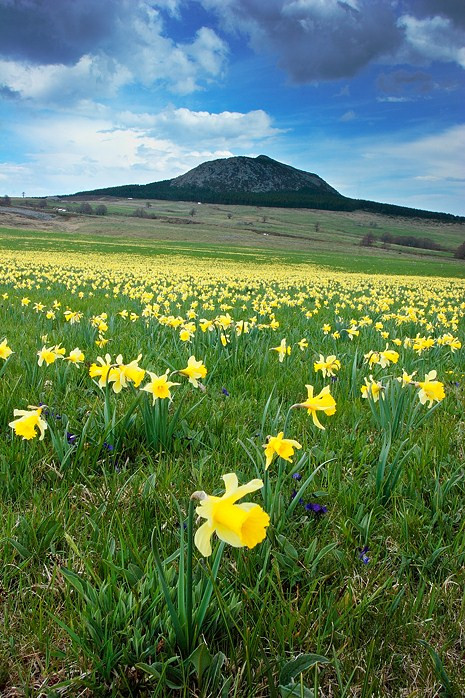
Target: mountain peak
{"type": "Point", "coordinates": [245, 174]}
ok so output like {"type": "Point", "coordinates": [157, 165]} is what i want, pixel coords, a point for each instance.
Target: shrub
{"type": "Point", "coordinates": [367, 240]}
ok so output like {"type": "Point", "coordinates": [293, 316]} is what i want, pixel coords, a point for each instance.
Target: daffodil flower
{"type": "Point", "coordinates": [282, 350]}
{"type": "Point", "coordinates": [103, 371]}
{"type": "Point", "coordinates": [327, 366]}
{"type": "Point", "coordinates": [27, 423]}
{"type": "Point", "coordinates": [280, 446]}
{"type": "Point", "coordinates": [372, 389]}
{"type": "Point", "coordinates": [405, 378]}
{"type": "Point", "coordinates": [388, 356]}
{"type": "Point", "coordinates": [431, 390]}
{"type": "Point", "coordinates": [323, 402]}
{"type": "Point", "coordinates": [237, 524]}
{"type": "Point", "coordinates": [159, 386]}
{"type": "Point", "coordinates": [5, 350]}
{"type": "Point", "coordinates": [194, 370]}
{"type": "Point", "coordinates": [75, 357]}
{"type": "Point", "coordinates": [49, 355]}
{"type": "Point", "coordinates": [131, 372]}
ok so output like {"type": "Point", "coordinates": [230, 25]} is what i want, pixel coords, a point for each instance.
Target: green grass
{"type": "Point", "coordinates": [311, 232]}
{"type": "Point", "coordinates": [372, 261]}
{"type": "Point", "coordinates": [84, 611]}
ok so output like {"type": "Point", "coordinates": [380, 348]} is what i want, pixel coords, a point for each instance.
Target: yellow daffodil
{"type": "Point", "coordinates": [282, 350]}
{"type": "Point", "coordinates": [75, 357]}
{"type": "Point", "coordinates": [123, 373]}
{"type": "Point", "coordinates": [323, 402]}
{"type": "Point", "coordinates": [159, 386]}
{"type": "Point", "coordinates": [353, 332]}
{"type": "Point", "coordinates": [49, 355]}
{"type": "Point", "coordinates": [5, 350]}
{"type": "Point", "coordinates": [73, 317]}
{"type": "Point", "coordinates": [206, 325]}
{"type": "Point", "coordinates": [185, 335]}
{"type": "Point", "coordinates": [388, 356]}
{"type": "Point", "coordinates": [327, 366]}
{"type": "Point", "coordinates": [406, 378]}
{"type": "Point", "coordinates": [27, 423]}
{"type": "Point", "coordinates": [284, 448]}
{"type": "Point", "coordinates": [372, 389]}
{"type": "Point", "coordinates": [372, 358]}
{"type": "Point", "coordinates": [194, 370]}
{"type": "Point", "coordinates": [238, 525]}
{"type": "Point", "coordinates": [431, 390]}
{"type": "Point", "coordinates": [103, 369]}
{"type": "Point", "coordinates": [303, 344]}
{"type": "Point", "coordinates": [101, 341]}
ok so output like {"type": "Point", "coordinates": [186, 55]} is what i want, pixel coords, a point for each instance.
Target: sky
{"type": "Point", "coordinates": [368, 94]}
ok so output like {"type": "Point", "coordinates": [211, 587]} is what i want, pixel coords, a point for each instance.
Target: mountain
{"type": "Point", "coordinates": [259, 181]}
{"type": "Point", "coordinates": [257, 175]}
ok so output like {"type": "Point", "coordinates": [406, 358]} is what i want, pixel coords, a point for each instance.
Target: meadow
{"type": "Point", "coordinates": [229, 471]}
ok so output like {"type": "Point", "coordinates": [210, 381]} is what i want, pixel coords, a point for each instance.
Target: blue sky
{"type": "Point", "coordinates": [369, 94]}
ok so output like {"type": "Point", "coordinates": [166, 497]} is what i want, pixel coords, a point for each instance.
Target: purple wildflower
{"type": "Point", "coordinates": [363, 555]}
{"type": "Point", "coordinates": [316, 508]}
{"type": "Point", "coordinates": [225, 392]}
{"type": "Point", "coordinates": [297, 476]}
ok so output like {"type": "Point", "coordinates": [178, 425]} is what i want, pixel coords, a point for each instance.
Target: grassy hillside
{"type": "Point", "coordinates": [327, 237]}
{"type": "Point", "coordinates": [355, 588]}
{"type": "Point", "coordinates": [304, 198]}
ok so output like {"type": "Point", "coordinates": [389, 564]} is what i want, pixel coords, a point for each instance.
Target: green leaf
{"type": "Point", "coordinates": [296, 691]}
{"type": "Point", "coordinates": [200, 659]}
{"type": "Point", "coordinates": [296, 666]}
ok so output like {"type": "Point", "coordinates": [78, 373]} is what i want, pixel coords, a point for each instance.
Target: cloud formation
{"type": "Point", "coordinates": [76, 152]}
{"type": "Point", "coordinates": [317, 40]}
{"type": "Point", "coordinates": [60, 52]}
{"type": "Point", "coordinates": [219, 130]}
{"type": "Point", "coordinates": [405, 84]}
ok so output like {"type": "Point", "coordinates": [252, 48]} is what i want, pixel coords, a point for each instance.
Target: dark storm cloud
{"type": "Point", "coordinates": [55, 31]}
{"type": "Point", "coordinates": [314, 40]}
{"type": "Point", "coordinates": [62, 51]}
{"type": "Point", "coordinates": [329, 39]}
{"type": "Point", "coordinates": [405, 83]}
{"type": "Point", "coordinates": [452, 9]}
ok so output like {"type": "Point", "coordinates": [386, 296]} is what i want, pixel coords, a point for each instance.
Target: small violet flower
{"type": "Point", "coordinates": [363, 555]}
{"type": "Point", "coordinates": [316, 508]}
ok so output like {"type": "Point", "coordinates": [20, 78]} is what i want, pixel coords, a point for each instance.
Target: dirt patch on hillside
{"type": "Point", "coordinates": [9, 218]}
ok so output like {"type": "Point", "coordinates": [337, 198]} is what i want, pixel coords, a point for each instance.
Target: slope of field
{"type": "Point", "coordinates": [328, 237]}
{"type": "Point", "coordinates": [152, 369]}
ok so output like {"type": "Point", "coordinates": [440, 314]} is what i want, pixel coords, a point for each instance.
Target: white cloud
{"type": "Point", "coordinates": [348, 116]}
{"type": "Point", "coordinates": [135, 50]}
{"type": "Point", "coordinates": [224, 129]}
{"type": "Point", "coordinates": [434, 39]}
{"type": "Point", "coordinates": [70, 153]}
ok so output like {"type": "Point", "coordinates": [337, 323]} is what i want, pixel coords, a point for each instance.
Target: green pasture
{"type": "Point", "coordinates": [364, 598]}
{"type": "Point", "coordinates": [134, 240]}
